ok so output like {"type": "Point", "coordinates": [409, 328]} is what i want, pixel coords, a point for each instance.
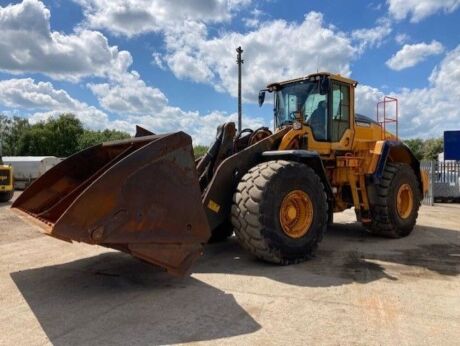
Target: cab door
{"type": "Point", "coordinates": [340, 115]}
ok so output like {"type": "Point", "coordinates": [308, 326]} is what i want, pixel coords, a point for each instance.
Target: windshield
{"type": "Point", "coordinates": [303, 97]}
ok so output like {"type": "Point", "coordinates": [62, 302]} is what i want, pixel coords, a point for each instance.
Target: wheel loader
{"type": "Point", "coordinates": [276, 190]}
{"type": "Point", "coordinates": [6, 182]}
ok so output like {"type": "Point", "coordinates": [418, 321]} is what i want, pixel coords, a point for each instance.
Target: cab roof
{"type": "Point", "coordinates": [315, 76]}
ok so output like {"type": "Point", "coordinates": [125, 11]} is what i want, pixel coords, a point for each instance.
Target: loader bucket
{"type": "Point", "coordinates": [140, 196]}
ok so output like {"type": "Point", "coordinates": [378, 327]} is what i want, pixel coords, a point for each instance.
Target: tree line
{"type": "Point", "coordinates": [427, 149]}
{"type": "Point", "coordinates": [65, 135]}
{"type": "Point", "coordinates": [59, 136]}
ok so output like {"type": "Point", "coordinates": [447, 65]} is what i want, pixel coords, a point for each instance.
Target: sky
{"type": "Point", "coordinates": [171, 65]}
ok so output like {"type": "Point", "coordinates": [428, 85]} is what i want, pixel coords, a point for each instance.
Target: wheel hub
{"type": "Point", "coordinates": [296, 214]}
{"type": "Point", "coordinates": [404, 201]}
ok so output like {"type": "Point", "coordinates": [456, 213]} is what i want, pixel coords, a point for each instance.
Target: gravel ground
{"type": "Point", "coordinates": [359, 289]}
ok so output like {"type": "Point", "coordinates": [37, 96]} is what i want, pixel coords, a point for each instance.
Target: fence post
{"type": "Point", "coordinates": [432, 180]}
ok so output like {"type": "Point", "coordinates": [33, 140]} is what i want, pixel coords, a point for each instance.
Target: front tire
{"type": "Point", "coordinates": [396, 202]}
{"type": "Point", "coordinates": [6, 196]}
{"type": "Point", "coordinates": [280, 211]}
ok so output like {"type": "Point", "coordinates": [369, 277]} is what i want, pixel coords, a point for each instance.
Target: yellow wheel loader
{"type": "Point", "coordinates": [149, 197]}
{"type": "Point", "coordinates": [6, 182]}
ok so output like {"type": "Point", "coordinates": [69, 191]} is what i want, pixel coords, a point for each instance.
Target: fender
{"type": "Point", "coordinates": [396, 151]}
{"type": "Point", "coordinates": [311, 158]}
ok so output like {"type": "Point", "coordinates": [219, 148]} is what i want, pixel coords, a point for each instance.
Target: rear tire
{"type": "Point", "coordinates": [6, 196]}
{"type": "Point", "coordinates": [398, 180]}
{"type": "Point", "coordinates": [256, 212]}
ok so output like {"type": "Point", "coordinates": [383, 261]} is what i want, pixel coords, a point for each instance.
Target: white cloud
{"type": "Point", "coordinates": [424, 112]}
{"type": "Point", "coordinates": [133, 17]}
{"type": "Point", "coordinates": [254, 19]}
{"type": "Point", "coordinates": [131, 96]}
{"type": "Point", "coordinates": [373, 37]}
{"type": "Point", "coordinates": [412, 54]}
{"type": "Point", "coordinates": [366, 98]}
{"type": "Point", "coordinates": [420, 9]}
{"type": "Point", "coordinates": [402, 38]}
{"type": "Point", "coordinates": [27, 44]}
{"type": "Point", "coordinates": [275, 51]}
{"type": "Point", "coordinates": [202, 128]}
{"type": "Point", "coordinates": [149, 107]}
{"type": "Point", "coordinates": [446, 77]}
{"type": "Point", "coordinates": [42, 100]}
{"type": "Point", "coordinates": [158, 60]}
{"type": "Point", "coordinates": [134, 100]}
{"type": "Point", "coordinates": [374, 6]}
{"type": "Point", "coordinates": [26, 93]}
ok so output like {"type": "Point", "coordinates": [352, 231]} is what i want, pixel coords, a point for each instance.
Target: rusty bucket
{"type": "Point", "coordinates": [140, 196]}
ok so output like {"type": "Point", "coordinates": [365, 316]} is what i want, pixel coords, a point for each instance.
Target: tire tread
{"type": "Point", "coordinates": [247, 218]}
{"type": "Point", "coordinates": [381, 223]}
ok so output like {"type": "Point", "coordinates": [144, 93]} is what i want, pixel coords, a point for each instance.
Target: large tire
{"type": "Point", "coordinates": [256, 211]}
{"type": "Point", "coordinates": [6, 196]}
{"type": "Point", "coordinates": [386, 219]}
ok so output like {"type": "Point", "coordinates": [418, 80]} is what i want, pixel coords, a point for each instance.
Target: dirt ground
{"type": "Point", "coordinates": [359, 289]}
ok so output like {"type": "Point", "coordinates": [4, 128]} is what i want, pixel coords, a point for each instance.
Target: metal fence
{"type": "Point", "coordinates": [444, 181]}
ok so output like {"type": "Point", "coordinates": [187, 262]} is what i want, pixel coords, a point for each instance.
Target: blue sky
{"type": "Point", "coordinates": [170, 65]}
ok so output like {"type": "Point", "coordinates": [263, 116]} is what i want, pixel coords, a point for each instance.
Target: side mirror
{"type": "Point", "coordinates": [324, 86]}
{"type": "Point", "coordinates": [261, 97]}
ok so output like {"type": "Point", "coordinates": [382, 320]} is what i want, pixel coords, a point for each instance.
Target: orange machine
{"type": "Point", "coordinates": [277, 191]}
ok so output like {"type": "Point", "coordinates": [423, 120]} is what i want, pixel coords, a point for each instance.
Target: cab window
{"type": "Point", "coordinates": [340, 117]}
{"type": "Point", "coordinates": [315, 114]}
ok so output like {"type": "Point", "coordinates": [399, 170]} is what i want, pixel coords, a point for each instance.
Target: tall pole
{"type": "Point", "coordinates": [1, 149]}
{"type": "Point", "coordinates": [239, 61]}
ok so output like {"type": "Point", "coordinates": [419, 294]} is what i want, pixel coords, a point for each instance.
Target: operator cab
{"type": "Point", "coordinates": [320, 101]}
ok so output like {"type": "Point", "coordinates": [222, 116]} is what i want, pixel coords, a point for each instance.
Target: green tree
{"type": "Point", "coordinates": [5, 125]}
{"type": "Point", "coordinates": [416, 146]}
{"type": "Point", "coordinates": [55, 137]}
{"type": "Point", "coordinates": [36, 141]}
{"type": "Point", "coordinates": [90, 138]}
{"type": "Point", "coordinates": [18, 127]}
{"type": "Point", "coordinates": [11, 130]}
{"type": "Point", "coordinates": [432, 147]}
{"type": "Point", "coordinates": [60, 136]}
{"type": "Point", "coordinates": [199, 150]}
{"type": "Point", "coordinates": [66, 130]}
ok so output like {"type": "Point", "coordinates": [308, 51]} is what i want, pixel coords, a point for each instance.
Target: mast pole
{"type": "Point", "coordinates": [239, 61]}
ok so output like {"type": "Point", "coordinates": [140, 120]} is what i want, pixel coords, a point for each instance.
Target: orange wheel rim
{"type": "Point", "coordinates": [404, 201]}
{"type": "Point", "coordinates": [296, 214]}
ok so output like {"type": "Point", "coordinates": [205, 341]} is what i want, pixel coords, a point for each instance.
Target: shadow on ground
{"type": "Point", "coordinates": [348, 254]}
{"type": "Point", "coordinates": [115, 298]}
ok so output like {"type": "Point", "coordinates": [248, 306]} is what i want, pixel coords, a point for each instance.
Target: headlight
{"type": "Point", "coordinates": [296, 125]}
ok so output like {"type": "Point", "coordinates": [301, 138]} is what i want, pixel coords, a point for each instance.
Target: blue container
{"type": "Point", "coordinates": [451, 145]}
